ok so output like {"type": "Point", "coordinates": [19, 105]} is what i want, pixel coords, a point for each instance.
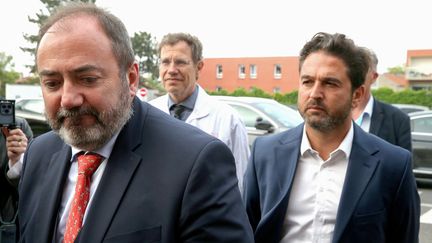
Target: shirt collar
{"type": "Point", "coordinates": [345, 146]}
{"type": "Point", "coordinates": [189, 103]}
{"type": "Point", "coordinates": [104, 151]}
{"type": "Point", "coordinates": [369, 107]}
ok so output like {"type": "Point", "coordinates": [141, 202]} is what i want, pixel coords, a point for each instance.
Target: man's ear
{"type": "Point", "coordinates": [200, 65]}
{"type": "Point", "coordinates": [358, 95]}
{"type": "Point", "coordinates": [133, 78]}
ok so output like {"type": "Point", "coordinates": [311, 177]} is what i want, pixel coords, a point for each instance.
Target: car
{"type": "Point", "coordinates": [262, 116]}
{"type": "Point", "coordinates": [421, 133]}
{"type": "Point", "coordinates": [32, 110]}
{"type": "Point", "coordinates": [409, 108]}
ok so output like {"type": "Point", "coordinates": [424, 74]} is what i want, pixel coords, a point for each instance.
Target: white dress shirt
{"type": "Point", "coordinates": [14, 171]}
{"type": "Point", "coordinates": [69, 189]}
{"type": "Point", "coordinates": [364, 120]}
{"type": "Point", "coordinates": [315, 193]}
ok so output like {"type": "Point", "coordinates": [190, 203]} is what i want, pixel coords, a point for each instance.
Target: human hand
{"type": "Point", "coordinates": [16, 143]}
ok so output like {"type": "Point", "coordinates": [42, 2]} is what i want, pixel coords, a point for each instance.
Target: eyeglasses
{"type": "Point", "coordinates": [178, 63]}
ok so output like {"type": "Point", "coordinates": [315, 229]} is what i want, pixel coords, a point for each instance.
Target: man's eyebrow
{"type": "Point", "coordinates": [86, 68]}
{"type": "Point", "coordinates": [82, 69]}
{"type": "Point", "coordinates": [305, 76]}
{"type": "Point", "coordinates": [331, 79]}
{"type": "Point", "coordinates": [48, 73]}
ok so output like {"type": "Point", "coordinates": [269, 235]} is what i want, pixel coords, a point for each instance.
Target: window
{"type": "Point", "coordinates": [219, 71]}
{"type": "Point", "coordinates": [218, 88]}
{"type": "Point", "coordinates": [277, 71]}
{"type": "Point", "coordinates": [276, 90]}
{"type": "Point", "coordinates": [253, 71]}
{"type": "Point", "coordinates": [248, 116]}
{"type": "Point", "coordinates": [241, 71]}
{"type": "Point", "coordinates": [422, 125]}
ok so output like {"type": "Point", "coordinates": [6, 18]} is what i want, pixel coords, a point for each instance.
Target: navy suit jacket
{"type": "Point", "coordinates": [379, 201]}
{"type": "Point", "coordinates": [165, 181]}
{"type": "Point", "coordinates": [391, 124]}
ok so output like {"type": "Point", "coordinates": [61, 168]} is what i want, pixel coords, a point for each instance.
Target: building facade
{"type": "Point", "coordinates": [271, 74]}
{"type": "Point", "coordinates": [419, 69]}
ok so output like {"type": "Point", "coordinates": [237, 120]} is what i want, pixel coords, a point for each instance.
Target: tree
{"type": "Point", "coordinates": [7, 74]}
{"type": "Point", "coordinates": [40, 18]}
{"type": "Point", "coordinates": [396, 70]}
{"type": "Point", "coordinates": [145, 48]}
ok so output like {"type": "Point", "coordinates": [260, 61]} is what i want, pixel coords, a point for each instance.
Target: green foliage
{"type": "Point", "coordinates": [420, 97]}
{"type": "Point", "coordinates": [152, 84]}
{"type": "Point", "coordinates": [396, 70]}
{"type": "Point", "coordinates": [288, 98]}
{"type": "Point", "coordinates": [7, 74]}
{"type": "Point", "coordinates": [145, 48]}
{"type": "Point", "coordinates": [39, 19]}
{"type": "Point", "coordinates": [256, 92]}
{"type": "Point", "coordinates": [387, 95]}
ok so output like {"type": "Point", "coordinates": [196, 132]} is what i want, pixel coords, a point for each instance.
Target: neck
{"type": "Point", "coordinates": [358, 110]}
{"type": "Point", "coordinates": [326, 142]}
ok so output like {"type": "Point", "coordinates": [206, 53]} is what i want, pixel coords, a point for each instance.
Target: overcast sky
{"type": "Point", "coordinates": [252, 28]}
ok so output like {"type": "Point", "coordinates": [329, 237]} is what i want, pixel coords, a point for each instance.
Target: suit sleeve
{"type": "Point", "coordinates": [405, 214]}
{"type": "Point", "coordinates": [251, 193]}
{"type": "Point", "coordinates": [212, 210]}
{"type": "Point", "coordinates": [404, 132]}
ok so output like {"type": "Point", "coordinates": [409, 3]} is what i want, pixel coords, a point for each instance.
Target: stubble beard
{"type": "Point", "coordinates": [328, 122]}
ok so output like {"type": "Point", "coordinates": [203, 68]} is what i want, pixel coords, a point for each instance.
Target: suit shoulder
{"type": "Point", "coordinates": [376, 145]}
{"type": "Point", "coordinates": [49, 141]}
{"type": "Point", "coordinates": [291, 135]}
{"type": "Point", "coordinates": [390, 109]}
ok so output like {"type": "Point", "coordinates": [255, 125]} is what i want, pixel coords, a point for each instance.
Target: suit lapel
{"type": "Point", "coordinates": [362, 164]}
{"type": "Point", "coordinates": [52, 192]}
{"type": "Point", "coordinates": [376, 118]}
{"type": "Point", "coordinates": [286, 157]}
{"type": "Point", "coordinates": [118, 173]}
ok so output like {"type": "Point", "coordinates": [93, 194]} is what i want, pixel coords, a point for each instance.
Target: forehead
{"type": "Point", "coordinates": [179, 49]}
{"type": "Point", "coordinates": [324, 64]}
{"type": "Point", "coordinates": [73, 37]}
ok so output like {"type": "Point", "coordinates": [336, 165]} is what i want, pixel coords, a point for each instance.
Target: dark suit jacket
{"type": "Point", "coordinates": [379, 201]}
{"type": "Point", "coordinates": [165, 181]}
{"type": "Point", "coordinates": [391, 124]}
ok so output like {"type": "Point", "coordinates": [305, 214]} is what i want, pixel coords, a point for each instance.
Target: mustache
{"type": "Point", "coordinates": [314, 103]}
{"type": "Point", "coordinates": [75, 113]}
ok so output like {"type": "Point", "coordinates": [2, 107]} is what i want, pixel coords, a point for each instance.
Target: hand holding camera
{"type": "Point", "coordinates": [16, 141]}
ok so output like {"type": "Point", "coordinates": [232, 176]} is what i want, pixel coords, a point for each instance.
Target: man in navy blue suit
{"type": "Point", "coordinates": [381, 119]}
{"type": "Point", "coordinates": [327, 180]}
{"type": "Point", "coordinates": [159, 179]}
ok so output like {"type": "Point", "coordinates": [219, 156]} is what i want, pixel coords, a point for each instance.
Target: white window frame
{"type": "Point", "coordinates": [241, 71]}
{"type": "Point", "coordinates": [219, 71]}
{"type": "Point", "coordinates": [253, 71]}
{"type": "Point", "coordinates": [277, 71]}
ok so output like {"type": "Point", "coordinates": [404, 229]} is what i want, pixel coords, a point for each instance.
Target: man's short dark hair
{"type": "Point", "coordinates": [338, 45]}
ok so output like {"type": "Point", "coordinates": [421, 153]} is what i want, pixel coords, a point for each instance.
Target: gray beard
{"type": "Point", "coordinates": [91, 138]}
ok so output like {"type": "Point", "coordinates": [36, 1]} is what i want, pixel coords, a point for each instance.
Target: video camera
{"type": "Point", "coordinates": [7, 114]}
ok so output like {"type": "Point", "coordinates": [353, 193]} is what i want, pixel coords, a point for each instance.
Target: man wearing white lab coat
{"type": "Point", "coordinates": [180, 63]}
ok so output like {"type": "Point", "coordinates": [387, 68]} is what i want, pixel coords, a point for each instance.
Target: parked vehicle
{"type": "Point", "coordinates": [421, 132]}
{"type": "Point", "coordinates": [263, 116]}
{"type": "Point", "coordinates": [409, 108]}
{"type": "Point", "coordinates": [33, 111]}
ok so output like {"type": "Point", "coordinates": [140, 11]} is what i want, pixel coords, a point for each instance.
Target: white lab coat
{"type": "Point", "coordinates": [220, 120]}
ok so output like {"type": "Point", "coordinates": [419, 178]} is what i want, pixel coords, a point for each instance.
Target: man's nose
{"type": "Point", "coordinates": [172, 68]}
{"type": "Point", "coordinates": [316, 91]}
{"type": "Point", "coordinates": [71, 96]}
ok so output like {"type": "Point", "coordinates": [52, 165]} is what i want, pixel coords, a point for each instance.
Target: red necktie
{"type": "Point", "coordinates": [87, 165]}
